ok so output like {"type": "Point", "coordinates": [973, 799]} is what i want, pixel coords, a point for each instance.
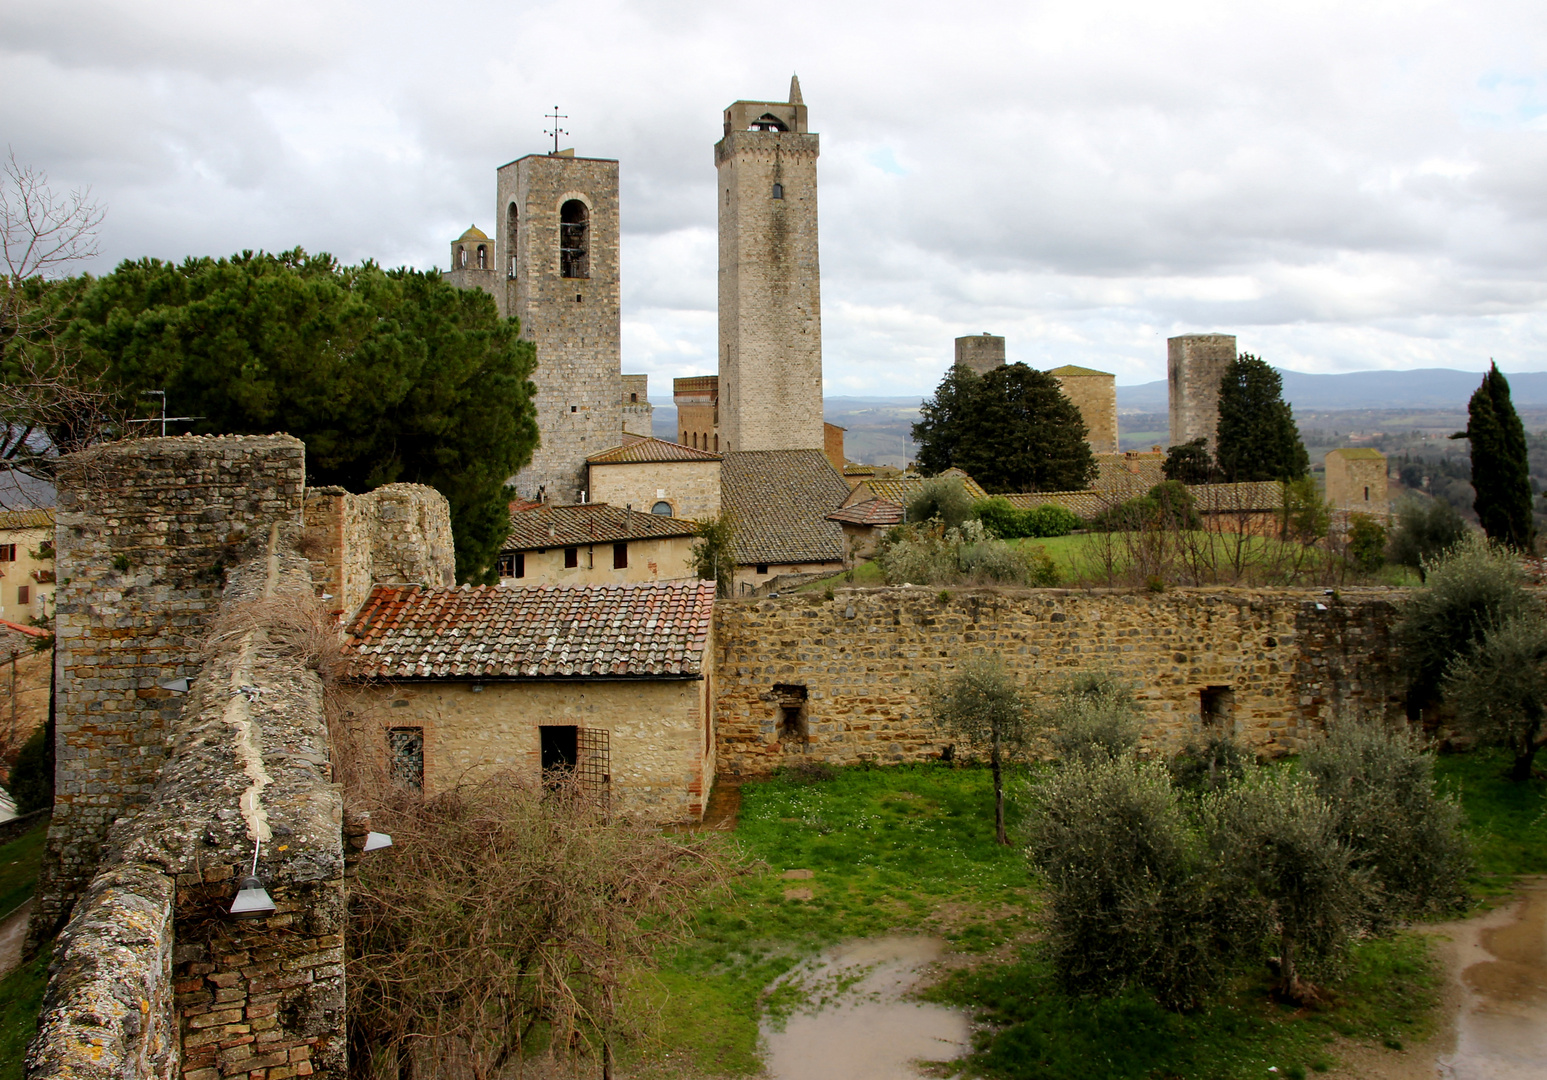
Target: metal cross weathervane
{"type": "Point", "coordinates": [555, 116]}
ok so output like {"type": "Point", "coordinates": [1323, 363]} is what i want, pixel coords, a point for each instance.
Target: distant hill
{"type": "Point", "coordinates": [1421, 388]}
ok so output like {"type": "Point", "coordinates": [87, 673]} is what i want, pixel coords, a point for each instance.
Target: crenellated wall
{"type": "Point", "coordinates": [1286, 659]}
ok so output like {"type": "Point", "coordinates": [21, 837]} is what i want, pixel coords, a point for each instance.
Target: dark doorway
{"type": "Point", "coordinates": [793, 722]}
{"type": "Point", "coordinates": [560, 747]}
{"type": "Point", "coordinates": [1216, 707]}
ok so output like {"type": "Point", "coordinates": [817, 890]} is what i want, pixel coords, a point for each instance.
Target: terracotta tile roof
{"type": "Point", "coordinates": [645, 630]}
{"type": "Point", "coordinates": [901, 489]}
{"type": "Point", "coordinates": [870, 512]}
{"type": "Point", "coordinates": [544, 525]}
{"type": "Point", "coordinates": [781, 499]}
{"type": "Point", "coordinates": [1082, 504]}
{"type": "Point", "coordinates": [1125, 472]}
{"type": "Point", "coordinates": [650, 449]}
{"type": "Point", "coordinates": [1209, 498]}
{"type": "Point", "coordinates": [27, 519]}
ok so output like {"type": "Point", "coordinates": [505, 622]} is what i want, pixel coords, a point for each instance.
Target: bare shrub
{"type": "Point", "coordinates": [1380, 783]}
{"type": "Point", "coordinates": [292, 619]}
{"type": "Point", "coordinates": [929, 554]}
{"type": "Point", "coordinates": [502, 922]}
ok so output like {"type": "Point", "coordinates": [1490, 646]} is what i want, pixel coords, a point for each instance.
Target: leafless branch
{"type": "Point", "coordinates": [44, 232]}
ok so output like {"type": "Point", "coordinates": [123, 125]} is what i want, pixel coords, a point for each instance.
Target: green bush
{"type": "Point", "coordinates": [1425, 529]}
{"type": "Point", "coordinates": [1009, 522]}
{"type": "Point", "coordinates": [1380, 784]}
{"type": "Point", "coordinates": [1499, 688]}
{"type": "Point", "coordinates": [1212, 766]}
{"type": "Point", "coordinates": [32, 774]}
{"type": "Point", "coordinates": [1366, 543]}
{"type": "Point", "coordinates": [1167, 505]}
{"type": "Point", "coordinates": [1127, 898]}
{"type": "Point", "coordinates": [1094, 717]}
{"type": "Point", "coordinates": [943, 499]}
{"type": "Point", "coordinates": [926, 554]}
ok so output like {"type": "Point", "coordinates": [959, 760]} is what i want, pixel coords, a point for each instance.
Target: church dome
{"type": "Point", "coordinates": [473, 233]}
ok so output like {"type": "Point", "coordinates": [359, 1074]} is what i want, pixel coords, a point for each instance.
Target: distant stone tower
{"type": "Point", "coordinates": [770, 388]}
{"type": "Point", "coordinates": [558, 249]}
{"type": "Point", "coordinates": [1195, 364]}
{"type": "Point", "coordinates": [1094, 393]}
{"type": "Point", "coordinates": [473, 263]}
{"type": "Point", "coordinates": [981, 352]}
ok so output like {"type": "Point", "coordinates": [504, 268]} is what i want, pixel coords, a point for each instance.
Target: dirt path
{"type": "Point", "coordinates": [13, 931]}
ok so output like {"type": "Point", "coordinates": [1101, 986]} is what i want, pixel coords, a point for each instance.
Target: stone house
{"type": "Point", "coordinates": [658, 476]}
{"type": "Point", "coordinates": [1356, 480]}
{"type": "Point", "coordinates": [864, 524]}
{"type": "Point", "coordinates": [26, 564]}
{"type": "Point", "coordinates": [610, 681]}
{"type": "Point", "coordinates": [904, 488]}
{"type": "Point", "coordinates": [781, 499]}
{"type": "Point", "coordinates": [594, 544]}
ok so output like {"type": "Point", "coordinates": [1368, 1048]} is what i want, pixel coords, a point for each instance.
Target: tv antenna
{"type": "Point", "coordinates": [163, 418]}
{"type": "Point", "coordinates": [555, 116]}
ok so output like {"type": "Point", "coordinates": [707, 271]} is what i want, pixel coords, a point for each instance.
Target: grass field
{"type": "Point", "coordinates": [21, 992]}
{"type": "Point", "coordinates": [910, 849]}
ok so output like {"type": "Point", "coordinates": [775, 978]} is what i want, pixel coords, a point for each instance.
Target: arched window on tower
{"type": "Point", "coordinates": [574, 259]}
{"type": "Point", "coordinates": [483, 257]}
{"type": "Point", "coordinates": [512, 219]}
{"type": "Point", "coordinates": [461, 257]}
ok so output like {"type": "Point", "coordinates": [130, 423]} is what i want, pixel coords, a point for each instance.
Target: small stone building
{"type": "Point", "coordinates": [594, 544]}
{"type": "Point", "coordinates": [781, 499]}
{"type": "Point", "coordinates": [611, 682]}
{"type": "Point", "coordinates": [1356, 480]}
{"type": "Point", "coordinates": [638, 413]}
{"type": "Point", "coordinates": [980, 352]}
{"type": "Point", "coordinates": [1195, 364]}
{"type": "Point", "coordinates": [904, 488]}
{"type": "Point", "coordinates": [26, 564]}
{"type": "Point", "coordinates": [864, 524]}
{"type": "Point", "coordinates": [1094, 393]}
{"type": "Point", "coordinates": [659, 476]}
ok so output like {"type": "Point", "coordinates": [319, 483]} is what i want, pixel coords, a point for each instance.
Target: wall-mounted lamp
{"type": "Point", "coordinates": [252, 899]}
{"type": "Point", "coordinates": [375, 841]}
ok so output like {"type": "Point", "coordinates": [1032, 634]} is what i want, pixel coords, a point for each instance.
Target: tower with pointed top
{"type": "Point", "coordinates": [770, 282]}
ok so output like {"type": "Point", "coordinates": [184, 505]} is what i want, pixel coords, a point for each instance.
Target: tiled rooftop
{"type": "Point", "coordinates": [642, 450]}
{"type": "Point", "coordinates": [781, 499]}
{"type": "Point", "coordinates": [870, 512]}
{"type": "Point", "coordinates": [27, 519]}
{"type": "Point", "coordinates": [902, 489]}
{"type": "Point", "coordinates": [647, 630]}
{"type": "Point", "coordinates": [543, 525]}
{"type": "Point", "coordinates": [1208, 498]}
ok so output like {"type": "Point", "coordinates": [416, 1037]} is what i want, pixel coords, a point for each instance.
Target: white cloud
{"type": "Point", "coordinates": [1343, 186]}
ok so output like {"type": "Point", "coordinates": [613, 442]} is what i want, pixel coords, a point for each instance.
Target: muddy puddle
{"type": "Point", "coordinates": [855, 1022]}
{"type": "Point", "coordinates": [1501, 1028]}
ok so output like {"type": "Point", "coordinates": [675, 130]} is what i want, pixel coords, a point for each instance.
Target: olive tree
{"type": "Point", "coordinates": [1093, 715]}
{"type": "Point", "coordinates": [981, 703]}
{"type": "Point", "coordinates": [1499, 690]}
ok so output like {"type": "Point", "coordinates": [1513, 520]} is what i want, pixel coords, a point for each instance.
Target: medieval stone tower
{"type": "Point", "coordinates": [1195, 365]}
{"type": "Point", "coordinates": [557, 246]}
{"type": "Point", "coordinates": [770, 285]}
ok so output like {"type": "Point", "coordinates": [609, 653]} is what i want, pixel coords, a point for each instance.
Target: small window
{"type": "Point", "coordinates": [695, 440]}
{"type": "Point", "coordinates": [571, 558]}
{"type": "Point", "coordinates": [520, 567]}
{"type": "Point", "coordinates": [633, 397]}
{"type": "Point", "coordinates": [1216, 707]}
{"type": "Point", "coordinates": [574, 408]}
{"type": "Point", "coordinates": [778, 191]}
{"type": "Point", "coordinates": [461, 258]}
{"type": "Point", "coordinates": [716, 444]}
{"type": "Point", "coordinates": [1366, 494]}
{"type": "Point", "coordinates": [684, 438]}
{"type": "Point", "coordinates": [507, 565]}
{"type": "Point", "coordinates": [620, 556]}
{"type": "Point", "coordinates": [7, 552]}
{"type": "Point", "coordinates": [24, 595]}
{"type": "Point", "coordinates": [663, 508]}
{"type": "Point", "coordinates": [762, 568]}
{"type": "Point", "coordinates": [512, 230]}
{"type": "Point", "coordinates": [574, 257]}
{"type": "Point", "coordinates": [405, 756]}
{"type": "Point", "coordinates": [560, 749]}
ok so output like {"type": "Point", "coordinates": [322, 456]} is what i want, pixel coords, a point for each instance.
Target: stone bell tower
{"type": "Point", "coordinates": [770, 283]}
{"type": "Point", "coordinates": [557, 249]}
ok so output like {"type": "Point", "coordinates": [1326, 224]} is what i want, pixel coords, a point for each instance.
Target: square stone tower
{"type": "Point", "coordinates": [474, 264]}
{"type": "Point", "coordinates": [558, 247]}
{"type": "Point", "coordinates": [1356, 480]}
{"type": "Point", "coordinates": [981, 352]}
{"type": "Point", "coordinates": [1195, 364]}
{"type": "Point", "coordinates": [770, 284]}
{"type": "Point", "coordinates": [1094, 393]}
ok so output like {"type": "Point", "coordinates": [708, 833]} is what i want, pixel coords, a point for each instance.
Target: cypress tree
{"type": "Point", "coordinates": [1257, 438]}
{"type": "Point", "coordinates": [1501, 471]}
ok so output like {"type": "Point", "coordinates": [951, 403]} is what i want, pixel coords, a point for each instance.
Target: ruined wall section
{"type": "Point", "coordinates": [1267, 666]}
{"type": "Point", "coordinates": [152, 977]}
{"type": "Point", "coordinates": [395, 534]}
{"type": "Point", "coordinates": [145, 532]}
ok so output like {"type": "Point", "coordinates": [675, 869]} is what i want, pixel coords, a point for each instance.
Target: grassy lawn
{"type": "Point", "coordinates": [21, 992]}
{"type": "Point", "coordinates": [910, 848]}
{"type": "Point", "coordinates": [19, 867]}
{"type": "Point", "coordinates": [1507, 821]}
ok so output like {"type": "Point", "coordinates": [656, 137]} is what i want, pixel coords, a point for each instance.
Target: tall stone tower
{"type": "Point", "coordinates": [770, 285]}
{"type": "Point", "coordinates": [1195, 364]}
{"type": "Point", "coordinates": [980, 352]}
{"type": "Point", "coordinates": [558, 248]}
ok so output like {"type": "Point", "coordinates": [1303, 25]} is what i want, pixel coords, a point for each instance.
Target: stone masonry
{"type": "Point", "coordinates": [1195, 364]}
{"type": "Point", "coordinates": [1094, 393]}
{"type": "Point", "coordinates": [1267, 666]}
{"type": "Point", "coordinates": [980, 352]}
{"type": "Point", "coordinates": [568, 305]}
{"type": "Point", "coordinates": [1357, 480]}
{"type": "Point", "coordinates": [638, 413]}
{"type": "Point", "coordinates": [770, 281]}
{"type": "Point", "coordinates": [394, 534]}
{"type": "Point", "coordinates": [146, 530]}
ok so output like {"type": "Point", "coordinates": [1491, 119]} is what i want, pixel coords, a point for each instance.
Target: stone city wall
{"type": "Point", "coordinates": [1270, 666]}
{"type": "Point", "coordinates": [145, 532]}
{"type": "Point", "coordinates": [394, 534]}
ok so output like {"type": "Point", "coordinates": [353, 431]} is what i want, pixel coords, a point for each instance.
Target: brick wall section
{"type": "Point", "coordinates": [394, 534]}
{"type": "Point", "coordinates": [863, 658]}
{"type": "Point", "coordinates": [152, 977]}
{"type": "Point", "coordinates": [145, 532]}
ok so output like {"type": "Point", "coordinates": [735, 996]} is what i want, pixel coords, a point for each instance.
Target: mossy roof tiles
{"type": "Point", "coordinates": [537, 527]}
{"type": "Point", "coordinates": [781, 499]}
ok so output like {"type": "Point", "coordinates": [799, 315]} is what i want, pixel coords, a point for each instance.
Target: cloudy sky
{"type": "Point", "coordinates": [1343, 186]}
